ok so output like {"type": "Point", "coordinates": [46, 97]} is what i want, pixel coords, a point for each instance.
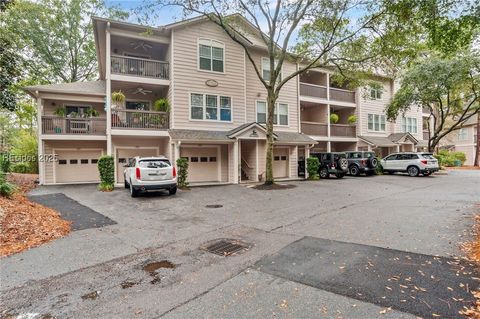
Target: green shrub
{"type": "Point", "coordinates": [446, 158]}
{"type": "Point", "coordinates": [106, 168]}
{"type": "Point", "coordinates": [21, 168]}
{"type": "Point", "coordinates": [182, 172]}
{"type": "Point", "coordinates": [352, 119]}
{"type": "Point", "coordinates": [312, 167]}
{"type": "Point", "coordinates": [334, 118]}
{"type": "Point", "coordinates": [6, 188]}
{"type": "Point", "coordinates": [4, 163]}
{"type": "Point", "coordinates": [379, 169]}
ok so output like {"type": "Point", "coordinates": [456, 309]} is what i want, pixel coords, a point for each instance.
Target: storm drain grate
{"type": "Point", "coordinates": [214, 206]}
{"type": "Point", "coordinates": [226, 247]}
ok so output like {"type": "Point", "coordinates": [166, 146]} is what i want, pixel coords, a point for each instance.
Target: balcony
{"type": "Point", "coordinates": [76, 126]}
{"type": "Point", "coordinates": [342, 95]}
{"type": "Point", "coordinates": [139, 67]}
{"type": "Point", "coordinates": [343, 130]}
{"type": "Point", "coordinates": [140, 120]}
{"type": "Point", "coordinates": [315, 129]}
{"type": "Point", "coordinates": [426, 135]}
{"type": "Point", "coordinates": [312, 90]}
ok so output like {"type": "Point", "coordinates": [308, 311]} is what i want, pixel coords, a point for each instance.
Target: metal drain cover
{"type": "Point", "coordinates": [226, 247]}
{"type": "Point", "coordinates": [214, 206]}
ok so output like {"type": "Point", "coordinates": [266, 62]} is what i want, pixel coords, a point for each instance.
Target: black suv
{"type": "Point", "coordinates": [332, 163]}
{"type": "Point", "coordinates": [361, 162]}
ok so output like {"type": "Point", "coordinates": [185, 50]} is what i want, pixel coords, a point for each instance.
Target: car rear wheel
{"type": "Point", "coordinates": [173, 190]}
{"type": "Point", "coordinates": [413, 171]}
{"type": "Point", "coordinates": [343, 163]}
{"type": "Point", "coordinates": [133, 192]}
{"type": "Point", "coordinates": [354, 171]}
{"type": "Point", "coordinates": [323, 172]}
{"type": "Point", "coordinates": [373, 162]}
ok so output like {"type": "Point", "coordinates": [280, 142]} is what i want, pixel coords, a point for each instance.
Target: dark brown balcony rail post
{"type": "Point", "coordinates": [73, 125]}
{"type": "Point", "coordinates": [139, 119]}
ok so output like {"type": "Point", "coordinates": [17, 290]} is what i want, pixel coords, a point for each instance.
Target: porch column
{"type": "Point", "coordinates": [176, 153]}
{"type": "Point", "coordinates": [41, 164]}
{"type": "Point", "coordinates": [109, 92]}
{"type": "Point", "coordinates": [329, 146]}
{"type": "Point", "coordinates": [398, 148]}
{"type": "Point", "coordinates": [256, 161]}
{"type": "Point", "coordinates": [307, 155]}
{"type": "Point", "coordinates": [236, 164]}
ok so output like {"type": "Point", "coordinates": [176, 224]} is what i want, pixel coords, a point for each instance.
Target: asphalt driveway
{"type": "Point", "coordinates": [418, 215]}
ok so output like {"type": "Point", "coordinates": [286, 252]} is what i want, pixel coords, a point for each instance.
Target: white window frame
{"type": "Point", "coordinates": [266, 62]}
{"type": "Point", "coordinates": [408, 125]}
{"type": "Point", "coordinates": [204, 107]}
{"type": "Point", "coordinates": [212, 43]}
{"type": "Point", "coordinates": [463, 134]}
{"type": "Point", "coordinates": [377, 94]}
{"type": "Point", "coordinates": [381, 120]}
{"type": "Point", "coordinates": [276, 114]}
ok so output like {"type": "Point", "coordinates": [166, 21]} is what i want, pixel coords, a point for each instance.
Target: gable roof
{"type": "Point", "coordinates": [240, 129]}
{"type": "Point", "coordinates": [378, 141]}
{"type": "Point", "coordinates": [97, 88]}
{"type": "Point", "coordinates": [397, 137]}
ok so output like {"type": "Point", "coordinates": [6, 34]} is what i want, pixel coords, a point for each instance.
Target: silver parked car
{"type": "Point", "coordinates": [411, 163]}
{"type": "Point", "coordinates": [143, 174]}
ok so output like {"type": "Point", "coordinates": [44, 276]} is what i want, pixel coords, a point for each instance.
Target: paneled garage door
{"type": "Point", "coordinates": [75, 166]}
{"type": "Point", "coordinates": [280, 162]}
{"type": "Point", "coordinates": [124, 154]}
{"type": "Point", "coordinates": [202, 163]}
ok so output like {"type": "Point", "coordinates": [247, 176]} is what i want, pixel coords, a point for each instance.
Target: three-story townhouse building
{"type": "Point", "coordinates": [217, 108]}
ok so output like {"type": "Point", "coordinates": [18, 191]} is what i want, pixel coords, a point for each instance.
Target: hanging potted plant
{"type": "Point", "coordinates": [334, 118]}
{"type": "Point", "coordinates": [117, 99]}
{"type": "Point", "coordinates": [352, 119]}
{"type": "Point", "coordinates": [161, 105]}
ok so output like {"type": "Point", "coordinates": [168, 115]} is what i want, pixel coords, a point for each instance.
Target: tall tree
{"type": "Point", "coordinates": [334, 33]}
{"type": "Point", "coordinates": [55, 37]}
{"type": "Point", "coordinates": [448, 87]}
{"type": "Point", "coordinates": [9, 73]}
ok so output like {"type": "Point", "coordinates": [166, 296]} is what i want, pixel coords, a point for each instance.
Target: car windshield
{"type": "Point", "coordinates": [428, 156]}
{"type": "Point", "coordinates": [154, 163]}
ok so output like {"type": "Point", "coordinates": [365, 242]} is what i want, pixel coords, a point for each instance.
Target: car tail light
{"type": "Point", "coordinates": [137, 172]}
{"type": "Point", "coordinates": [333, 165]}
{"type": "Point", "coordinates": [364, 162]}
{"type": "Point", "coordinates": [174, 172]}
{"type": "Point", "coordinates": [424, 162]}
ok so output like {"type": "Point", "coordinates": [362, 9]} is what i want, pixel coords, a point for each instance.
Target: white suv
{"type": "Point", "coordinates": [150, 173]}
{"type": "Point", "coordinates": [411, 163]}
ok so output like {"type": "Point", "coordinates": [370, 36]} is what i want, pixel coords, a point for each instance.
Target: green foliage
{"type": "Point", "coordinates": [25, 145]}
{"type": "Point", "coordinates": [182, 173]}
{"type": "Point", "coordinates": [60, 111]}
{"type": "Point", "coordinates": [9, 71]}
{"type": "Point", "coordinates": [22, 168]}
{"type": "Point", "coordinates": [334, 118]}
{"type": "Point", "coordinates": [106, 168]}
{"type": "Point", "coordinates": [118, 97]}
{"type": "Point", "coordinates": [6, 188]}
{"type": "Point", "coordinates": [4, 162]}
{"type": "Point", "coordinates": [91, 112]}
{"type": "Point", "coordinates": [313, 164]}
{"type": "Point", "coordinates": [379, 169]}
{"type": "Point", "coordinates": [352, 119]}
{"type": "Point", "coordinates": [161, 105]}
{"type": "Point", "coordinates": [448, 159]}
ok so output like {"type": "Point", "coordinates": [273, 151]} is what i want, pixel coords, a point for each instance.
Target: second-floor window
{"type": "Point", "coordinates": [376, 122]}
{"type": "Point", "coordinates": [409, 124]}
{"type": "Point", "coordinates": [210, 107]}
{"type": "Point", "coordinates": [280, 116]}
{"type": "Point", "coordinates": [211, 55]}
{"type": "Point", "coordinates": [375, 92]}
{"type": "Point", "coordinates": [266, 70]}
{"type": "Point", "coordinates": [462, 134]}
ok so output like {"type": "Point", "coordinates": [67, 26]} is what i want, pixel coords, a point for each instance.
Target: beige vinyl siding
{"type": "Point", "coordinates": [48, 166]}
{"type": "Point", "coordinates": [257, 92]}
{"type": "Point", "coordinates": [377, 106]}
{"type": "Point", "coordinates": [188, 79]}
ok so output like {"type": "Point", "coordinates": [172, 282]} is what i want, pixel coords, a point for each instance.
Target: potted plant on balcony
{"type": "Point", "coordinates": [334, 118]}
{"type": "Point", "coordinates": [60, 112]}
{"type": "Point", "coordinates": [91, 112]}
{"type": "Point", "coordinates": [352, 119]}
{"type": "Point", "coordinates": [117, 99]}
{"type": "Point", "coordinates": [161, 105]}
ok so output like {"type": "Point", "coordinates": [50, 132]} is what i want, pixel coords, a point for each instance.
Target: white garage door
{"type": "Point", "coordinates": [280, 162]}
{"type": "Point", "coordinates": [124, 154]}
{"type": "Point", "coordinates": [202, 163]}
{"type": "Point", "coordinates": [77, 166]}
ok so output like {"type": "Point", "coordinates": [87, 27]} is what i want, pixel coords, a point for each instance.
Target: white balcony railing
{"type": "Point", "coordinates": [139, 67]}
{"type": "Point", "coordinates": [76, 126]}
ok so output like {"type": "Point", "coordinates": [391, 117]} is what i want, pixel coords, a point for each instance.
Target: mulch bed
{"type": "Point", "coordinates": [274, 186]}
{"type": "Point", "coordinates": [24, 224]}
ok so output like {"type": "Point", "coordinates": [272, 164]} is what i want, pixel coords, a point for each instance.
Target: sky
{"type": "Point", "coordinates": [162, 15]}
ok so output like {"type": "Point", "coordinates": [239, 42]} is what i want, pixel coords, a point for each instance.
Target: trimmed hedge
{"type": "Point", "coordinates": [313, 164]}
{"type": "Point", "coordinates": [182, 173]}
{"type": "Point", "coordinates": [446, 158]}
{"type": "Point", "coordinates": [106, 168]}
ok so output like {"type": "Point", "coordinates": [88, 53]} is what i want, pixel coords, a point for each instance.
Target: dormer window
{"type": "Point", "coordinates": [211, 55]}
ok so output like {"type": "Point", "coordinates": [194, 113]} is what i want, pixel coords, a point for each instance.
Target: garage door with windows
{"type": "Point", "coordinates": [203, 163]}
{"type": "Point", "coordinates": [74, 166]}
{"type": "Point", "coordinates": [280, 162]}
{"type": "Point", "coordinates": [125, 154]}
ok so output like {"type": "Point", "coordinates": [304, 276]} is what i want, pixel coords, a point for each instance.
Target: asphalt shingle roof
{"type": "Point", "coordinates": [91, 87]}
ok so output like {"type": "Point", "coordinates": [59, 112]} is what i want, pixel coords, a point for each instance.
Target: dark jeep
{"type": "Point", "coordinates": [332, 163]}
{"type": "Point", "coordinates": [361, 162]}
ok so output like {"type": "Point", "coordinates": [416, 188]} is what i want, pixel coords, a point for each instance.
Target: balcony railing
{"type": "Point", "coordinates": [313, 128]}
{"type": "Point", "coordinates": [343, 130]}
{"type": "Point", "coordinates": [342, 95]}
{"type": "Point", "coordinates": [76, 126]}
{"type": "Point", "coordinates": [139, 67]}
{"type": "Point", "coordinates": [143, 120]}
{"type": "Point", "coordinates": [318, 91]}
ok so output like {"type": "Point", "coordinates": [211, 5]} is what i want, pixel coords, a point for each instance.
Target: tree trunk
{"type": "Point", "coordinates": [269, 156]}
{"type": "Point", "coordinates": [477, 153]}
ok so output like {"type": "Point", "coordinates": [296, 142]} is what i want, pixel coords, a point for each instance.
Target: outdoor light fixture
{"type": "Point", "coordinates": [254, 133]}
